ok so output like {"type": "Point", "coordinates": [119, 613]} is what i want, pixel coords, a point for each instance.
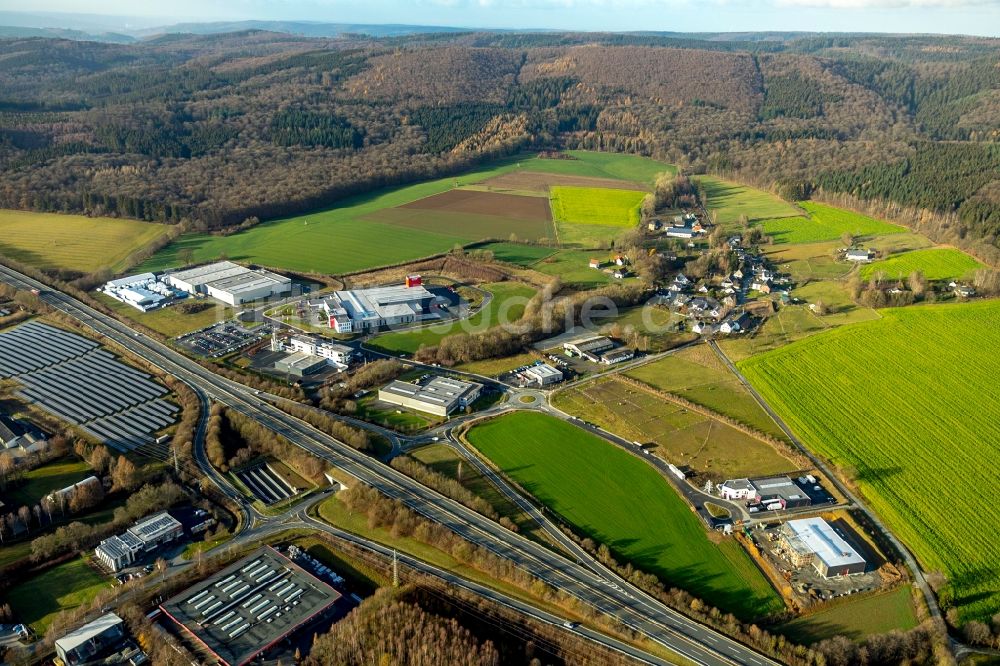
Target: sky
{"type": "Point", "coordinates": [978, 17]}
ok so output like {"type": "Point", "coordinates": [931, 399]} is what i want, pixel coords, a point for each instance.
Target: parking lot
{"type": "Point", "coordinates": [221, 339]}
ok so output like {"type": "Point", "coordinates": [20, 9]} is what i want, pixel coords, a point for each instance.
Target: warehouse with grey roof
{"type": "Point", "coordinates": [230, 283]}
{"type": "Point", "coordinates": [440, 396]}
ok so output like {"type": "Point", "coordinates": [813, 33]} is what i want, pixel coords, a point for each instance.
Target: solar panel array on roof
{"type": "Point", "coordinates": [72, 378]}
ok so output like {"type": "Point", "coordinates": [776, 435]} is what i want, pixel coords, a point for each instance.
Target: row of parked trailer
{"type": "Point", "coordinates": [267, 485]}
{"type": "Point", "coordinates": [72, 378]}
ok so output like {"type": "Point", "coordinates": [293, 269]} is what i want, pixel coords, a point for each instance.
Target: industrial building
{"type": "Point", "coordinates": [544, 374]}
{"type": "Point", "coordinates": [814, 541]}
{"type": "Point", "coordinates": [144, 537]}
{"type": "Point", "coordinates": [310, 354]}
{"type": "Point", "coordinates": [440, 396]}
{"type": "Point", "coordinates": [144, 291]}
{"type": "Point", "coordinates": [301, 364]}
{"type": "Point", "coordinates": [370, 309]}
{"type": "Point", "coordinates": [93, 641]}
{"type": "Point", "coordinates": [588, 347]}
{"type": "Point", "coordinates": [230, 283]}
{"type": "Point", "coordinates": [780, 492]}
{"type": "Point", "coordinates": [250, 606]}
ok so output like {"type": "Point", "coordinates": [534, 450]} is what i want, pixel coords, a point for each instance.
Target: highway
{"type": "Point", "coordinates": [633, 609]}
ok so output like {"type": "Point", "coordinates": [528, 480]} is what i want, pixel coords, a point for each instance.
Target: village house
{"type": "Point", "coordinates": [595, 263]}
{"type": "Point", "coordinates": [735, 324]}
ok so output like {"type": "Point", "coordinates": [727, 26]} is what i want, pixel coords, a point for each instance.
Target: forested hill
{"type": "Point", "coordinates": [213, 129]}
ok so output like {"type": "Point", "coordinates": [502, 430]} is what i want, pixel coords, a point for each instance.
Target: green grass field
{"type": "Point", "coordinates": [856, 618]}
{"type": "Point", "coordinates": [170, 321]}
{"type": "Point", "coordinates": [37, 600]}
{"type": "Point", "coordinates": [445, 460]}
{"type": "Point", "coordinates": [632, 168]}
{"type": "Point", "coordinates": [681, 436]}
{"type": "Point", "coordinates": [619, 500]}
{"type": "Point", "coordinates": [906, 405]}
{"type": "Point", "coordinates": [506, 306]}
{"type": "Point", "coordinates": [344, 239]}
{"type": "Point", "coordinates": [825, 223]}
{"type": "Point", "coordinates": [73, 242]}
{"type": "Point", "coordinates": [572, 267]}
{"type": "Point", "coordinates": [595, 205]}
{"type": "Point", "coordinates": [518, 254]}
{"type": "Point", "coordinates": [728, 201]}
{"type": "Point", "coordinates": [936, 264]}
{"type": "Point", "coordinates": [698, 375]}
{"type": "Point", "coordinates": [41, 481]}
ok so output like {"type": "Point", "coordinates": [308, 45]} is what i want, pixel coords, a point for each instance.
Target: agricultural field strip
{"type": "Point", "coordinates": [595, 206]}
{"type": "Point", "coordinates": [912, 420]}
{"type": "Point", "coordinates": [935, 263]}
{"type": "Point", "coordinates": [825, 223]}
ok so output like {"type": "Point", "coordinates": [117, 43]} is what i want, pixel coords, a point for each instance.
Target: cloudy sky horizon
{"type": "Point", "coordinates": [974, 17]}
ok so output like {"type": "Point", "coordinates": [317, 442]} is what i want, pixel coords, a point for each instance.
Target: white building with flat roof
{"type": "Point", "coordinates": [440, 396]}
{"type": "Point", "coordinates": [544, 374]}
{"type": "Point", "coordinates": [145, 536]}
{"type": "Point", "coordinates": [84, 643]}
{"type": "Point", "coordinates": [370, 309]}
{"type": "Point", "coordinates": [230, 283]}
{"type": "Point", "coordinates": [815, 540]}
{"type": "Point", "coordinates": [336, 353]}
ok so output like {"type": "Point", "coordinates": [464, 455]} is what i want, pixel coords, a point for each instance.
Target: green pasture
{"type": "Point", "coordinates": [170, 321]}
{"type": "Point", "coordinates": [856, 618]}
{"type": "Point", "coordinates": [728, 200]}
{"type": "Point", "coordinates": [506, 306]}
{"type": "Point", "coordinates": [37, 600]}
{"type": "Point", "coordinates": [943, 263]}
{"type": "Point", "coordinates": [826, 223]}
{"type": "Point", "coordinates": [595, 205]}
{"type": "Point", "coordinates": [517, 253]}
{"type": "Point", "coordinates": [920, 452]}
{"type": "Point", "coordinates": [619, 500]}
{"type": "Point", "coordinates": [51, 241]}
{"type": "Point", "coordinates": [41, 481]}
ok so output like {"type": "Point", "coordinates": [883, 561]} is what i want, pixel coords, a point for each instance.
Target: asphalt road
{"type": "Point", "coordinates": [630, 607]}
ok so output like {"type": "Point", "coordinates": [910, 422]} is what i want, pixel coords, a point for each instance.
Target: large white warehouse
{"type": "Point", "coordinates": [231, 283]}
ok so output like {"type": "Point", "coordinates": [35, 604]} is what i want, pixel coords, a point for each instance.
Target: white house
{"type": "Point", "coordinates": [737, 489]}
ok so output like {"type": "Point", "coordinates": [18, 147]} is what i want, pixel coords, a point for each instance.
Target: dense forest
{"type": "Point", "coordinates": [209, 130]}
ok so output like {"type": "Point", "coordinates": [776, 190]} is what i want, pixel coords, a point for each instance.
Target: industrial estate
{"type": "Point", "coordinates": [550, 405]}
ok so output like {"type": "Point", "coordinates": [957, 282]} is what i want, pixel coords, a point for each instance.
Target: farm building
{"type": "Point", "coordinates": [440, 396]}
{"type": "Point", "coordinates": [64, 493]}
{"type": "Point", "coordinates": [859, 255]}
{"type": "Point", "coordinates": [93, 641]}
{"type": "Point", "coordinates": [814, 541]}
{"type": "Point", "coordinates": [596, 263]}
{"type": "Point", "coordinates": [230, 283]}
{"type": "Point", "coordinates": [588, 347]}
{"type": "Point", "coordinates": [617, 355]}
{"type": "Point", "coordinates": [371, 309]}
{"type": "Point", "coordinates": [147, 535]}
{"type": "Point", "coordinates": [544, 374]}
{"type": "Point", "coordinates": [18, 436]}
{"type": "Point", "coordinates": [681, 232]}
{"type": "Point", "coordinates": [245, 609]}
